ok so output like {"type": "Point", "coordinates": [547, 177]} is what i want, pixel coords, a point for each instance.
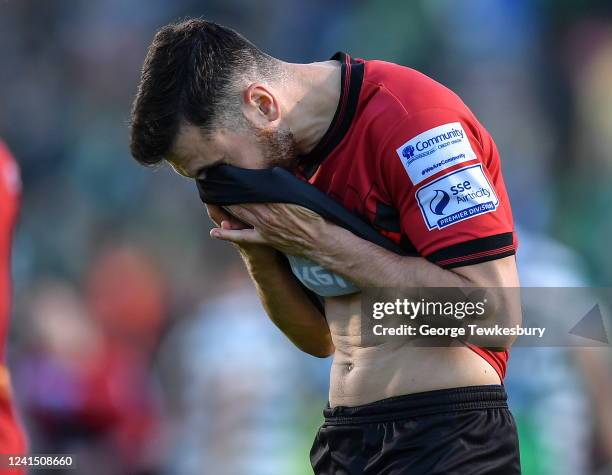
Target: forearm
{"type": "Point", "coordinates": [297, 231]}
{"type": "Point", "coordinates": [370, 266]}
{"type": "Point", "coordinates": [287, 305]}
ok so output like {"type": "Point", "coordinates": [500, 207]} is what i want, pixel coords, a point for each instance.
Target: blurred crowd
{"type": "Point", "coordinates": [130, 326]}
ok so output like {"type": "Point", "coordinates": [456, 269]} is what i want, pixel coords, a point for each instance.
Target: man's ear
{"type": "Point", "coordinates": [260, 105]}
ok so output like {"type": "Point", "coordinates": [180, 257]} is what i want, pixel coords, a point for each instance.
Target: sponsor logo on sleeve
{"type": "Point", "coordinates": [435, 150]}
{"type": "Point", "coordinates": [455, 197]}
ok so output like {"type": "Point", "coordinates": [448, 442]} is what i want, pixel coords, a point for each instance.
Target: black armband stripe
{"type": "Point", "coordinates": [477, 258]}
{"type": "Point", "coordinates": [474, 251]}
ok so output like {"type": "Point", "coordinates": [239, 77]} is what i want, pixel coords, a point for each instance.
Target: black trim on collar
{"type": "Point", "coordinates": [350, 86]}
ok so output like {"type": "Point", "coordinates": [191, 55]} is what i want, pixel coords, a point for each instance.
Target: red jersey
{"type": "Point", "coordinates": [10, 187]}
{"type": "Point", "coordinates": [407, 154]}
{"type": "Point", "coordinates": [12, 440]}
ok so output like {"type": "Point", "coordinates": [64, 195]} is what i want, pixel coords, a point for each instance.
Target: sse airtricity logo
{"type": "Point", "coordinates": [439, 202]}
{"type": "Point", "coordinates": [408, 151]}
{"type": "Point", "coordinates": [456, 196]}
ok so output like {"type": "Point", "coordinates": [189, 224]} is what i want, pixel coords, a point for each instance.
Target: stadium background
{"type": "Point", "coordinates": [137, 343]}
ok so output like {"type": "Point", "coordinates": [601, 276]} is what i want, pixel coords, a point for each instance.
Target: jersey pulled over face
{"type": "Point", "coordinates": [408, 155]}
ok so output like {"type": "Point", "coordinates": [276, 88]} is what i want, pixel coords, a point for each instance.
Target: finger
{"type": "Point", "coordinates": [233, 224]}
{"type": "Point", "coordinates": [220, 215]}
{"type": "Point", "coordinates": [245, 213]}
{"type": "Point", "coordinates": [292, 210]}
{"type": "Point", "coordinates": [238, 236]}
{"type": "Point", "coordinates": [216, 213]}
{"type": "Point", "coordinates": [300, 211]}
{"type": "Point", "coordinates": [264, 213]}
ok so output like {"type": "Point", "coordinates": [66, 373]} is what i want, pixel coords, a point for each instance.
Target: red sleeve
{"type": "Point", "coordinates": [441, 171]}
{"type": "Point", "coordinates": [10, 187]}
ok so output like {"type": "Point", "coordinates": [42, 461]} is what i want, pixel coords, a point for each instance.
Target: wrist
{"type": "Point", "coordinates": [325, 251]}
{"type": "Point", "coordinates": [257, 254]}
{"type": "Point", "coordinates": [264, 265]}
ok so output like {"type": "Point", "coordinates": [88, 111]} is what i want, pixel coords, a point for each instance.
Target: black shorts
{"type": "Point", "coordinates": [451, 431]}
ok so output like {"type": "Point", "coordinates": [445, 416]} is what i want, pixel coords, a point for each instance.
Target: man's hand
{"type": "Point", "coordinates": [284, 300]}
{"type": "Point", "coordinates": [223, 219]}
{"type": "Point", "coordinates": [289, 228]}
{"type": "Point", "coordinates": [226, 222]}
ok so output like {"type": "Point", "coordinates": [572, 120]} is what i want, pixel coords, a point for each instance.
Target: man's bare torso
{"type": "Point", "coordinates": [392, 367]}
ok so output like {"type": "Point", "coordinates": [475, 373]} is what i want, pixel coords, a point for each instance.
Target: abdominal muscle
{"type": "Point", "coordinates": [393, 366]}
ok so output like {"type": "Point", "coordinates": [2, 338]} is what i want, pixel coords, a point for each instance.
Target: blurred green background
{"type": "Point", "coordinates": [138, 343]}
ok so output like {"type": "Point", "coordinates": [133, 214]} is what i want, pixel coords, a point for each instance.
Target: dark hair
{"type": "Point", "coordinates": [186, 77]}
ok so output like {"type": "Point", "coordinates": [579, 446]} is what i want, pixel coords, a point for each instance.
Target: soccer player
{"type": "Point", "coordinates": [12, 439]}
{"type": "Point", "coordinates": [405, 153]}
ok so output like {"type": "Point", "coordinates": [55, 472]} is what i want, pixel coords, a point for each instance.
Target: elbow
{"type": "Point", "coordinates": [506, 319]}
{"type": "Point", "coordinates": [497, 343]}
{"type": "Point", "coordinates": [323, 354]}
{"type": "Point", "coordinates": [320, 351]}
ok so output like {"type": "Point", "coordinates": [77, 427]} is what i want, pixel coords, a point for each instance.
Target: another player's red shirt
{"type": "Point", "coordinates": [12, 440]}
{"type": "Point", "coordinates": [407, 154]}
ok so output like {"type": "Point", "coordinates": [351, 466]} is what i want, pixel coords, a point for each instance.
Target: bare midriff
{"type": "Point", "coordinates": [396, 366]}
